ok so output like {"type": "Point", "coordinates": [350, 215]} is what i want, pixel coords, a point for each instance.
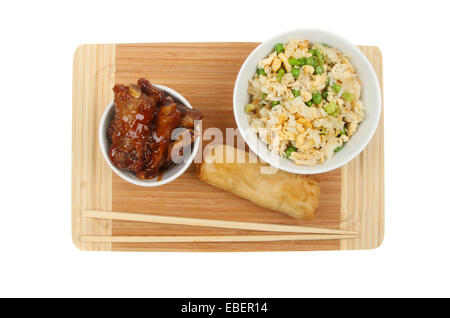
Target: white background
{"type": "Point", "coordinates": [37, 257]}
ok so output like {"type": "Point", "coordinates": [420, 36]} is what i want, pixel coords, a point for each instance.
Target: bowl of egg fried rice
{"type": "Point", "coordinates": [307, 101]}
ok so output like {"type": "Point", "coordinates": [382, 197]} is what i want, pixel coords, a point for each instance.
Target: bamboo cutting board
{"type": "Point", "coordinates": [352, 197]}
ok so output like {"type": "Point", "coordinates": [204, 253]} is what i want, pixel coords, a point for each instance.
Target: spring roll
{"type": "Point", "coordinates": [292, 194]}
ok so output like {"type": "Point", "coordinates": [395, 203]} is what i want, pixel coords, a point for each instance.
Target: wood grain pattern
{"type": "Point", "coordinates": [204, 73]}
{"type": "Point", "coordinates": [91, 177]}
{"type": "Point", "coordinates": [363, 182]}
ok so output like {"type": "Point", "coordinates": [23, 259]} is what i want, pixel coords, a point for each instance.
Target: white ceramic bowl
{"type": "Point", "coordinates": [370, 95]}
{"type": "Point", "coordinates": [169, 174]}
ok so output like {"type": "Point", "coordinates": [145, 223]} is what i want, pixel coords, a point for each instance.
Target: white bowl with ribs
{"type": "Point", "coordinates": [147, 134]}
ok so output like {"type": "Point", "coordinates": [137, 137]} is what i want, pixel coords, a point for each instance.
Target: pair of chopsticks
{"type": "Point", "coordinates": [309, 233]}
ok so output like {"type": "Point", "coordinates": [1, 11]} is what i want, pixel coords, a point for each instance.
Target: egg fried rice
{"type": "Point", "coordinates": [305, 101]}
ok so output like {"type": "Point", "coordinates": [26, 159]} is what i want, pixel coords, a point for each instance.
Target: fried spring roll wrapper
{"type": "Point", "coordinates": [292, 194]}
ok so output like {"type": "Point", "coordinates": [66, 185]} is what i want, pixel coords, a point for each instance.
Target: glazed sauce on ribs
{"type": "Point", "coordinates": [141, 130]}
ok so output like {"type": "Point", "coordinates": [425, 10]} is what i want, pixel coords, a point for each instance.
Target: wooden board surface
{"type": "Point", "coordinates": [352, 197]}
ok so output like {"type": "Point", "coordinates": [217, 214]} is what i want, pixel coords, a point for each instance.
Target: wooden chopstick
{"type": "Point", "coordinates": [228, 238]}
{"type": "Point", "coordinates": [125, 216]}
